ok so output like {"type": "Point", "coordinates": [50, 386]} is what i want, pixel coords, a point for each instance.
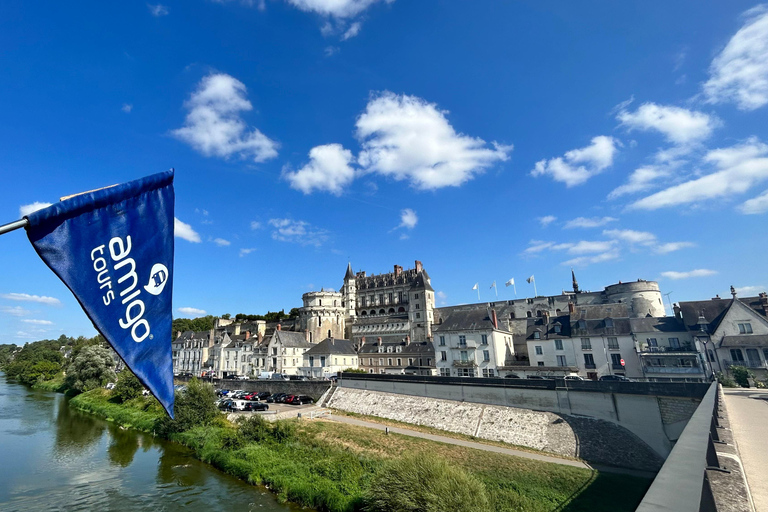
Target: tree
{"type": "Point", "coordinates": [128, 386]}
{"type": "Point", "coordinates": [293, 313]}
{"type": "Point", "coordinates": [425, 483]}
{"type": "Point", "coordinates": [195, 406]}
{"type": "Point", "coordinates": [226, 316]}
{"type": "Point", "coordinates": [741, 375]}
{"type": "Point", "coordinates": [90, 369]}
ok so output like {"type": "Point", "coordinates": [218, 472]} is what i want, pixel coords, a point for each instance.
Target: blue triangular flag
{"type": "Point", "coordinates": [113, 248]}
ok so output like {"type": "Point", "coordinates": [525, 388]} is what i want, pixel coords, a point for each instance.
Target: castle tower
{"type": "Point", "coordinates": [575, 282]}
{"type": "Point", "coordinates": [349, 299]}
{"type": "Point", "coordinates": [322, 315]}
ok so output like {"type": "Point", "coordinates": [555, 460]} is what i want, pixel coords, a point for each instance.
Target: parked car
{"type": "Point", "coordinates": [298, 377]}
{"type": "Point", "coordinates": [538, 377]}
{"type": "Point", "coordinates": [573, 377]}
{"type": "Point", "coordinates": [222, 392]}
{"type": "Point", "coordinates": [226, 405]}
{"type": "Point", "coordinates": [299, 400]}
{"type": "Point", "coordinates": [511, 376]}
{"type": "Point", "coordinates": [275, 398]}
{"type": "Point", "coordinates": [256, 406]}
{"type": "Point", "coordinates": [615, 378]}
{"type": "Point", "coordinates": [251, 396]}
{"type": "Point", "coordinates": [264, 395]}
{"type": "Point", "coordinates": [286, 399]}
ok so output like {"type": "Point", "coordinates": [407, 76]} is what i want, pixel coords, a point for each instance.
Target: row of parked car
{"type": "Point", "coordinates": [231, 399]}
{"type": "Point", "coordinates": [615, 378]}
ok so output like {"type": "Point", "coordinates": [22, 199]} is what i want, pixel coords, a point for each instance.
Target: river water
{"type": "Point", "coordinates": [53, 457]}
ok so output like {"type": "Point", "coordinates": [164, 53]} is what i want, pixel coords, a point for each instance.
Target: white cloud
{"type": "Point", "coordinates": [213, 125]}
{"type": "Point", "coordinates": [22, 334]}
{"type": "Point", "coordinates": [37, 322]}
{"type": "Point", "coordinates": [221, 242]}
{"type": "Point", "coordinates": [127, 107]}
{"type": "Point", "coordinates": [25, 297]}
{"type": "Point", "coordinates": [245, 252]}
{"type": "Point", "coordinates": [673, 246]}
{"type": "Point", "coordinates": [740, 168]}
{"type": "Point", "coordinates": [328, 169]}
{"type": "Point", "coordinates": [739, 73]}
{"type": "Point", "coordinates": [352, 31]}
{"type": "Point", "coordinates": [407, 138]}
{"type": "Point", "coordinates": [578, 165]}
{"type": "Point", "coordinates": [255, 224]}
{"type": "Point", "coordinates": [441, 298]}
{"type": "Point", "coordinates": [587, 247]}
{"type": "Point", "coordinates": [26, 209]}
{"type": "Point", "coordinates": [330, 51]}
{"type": "Point", "coordinates": [588, 260]}
{"type": "Point", "coordinates": [403, 236]}
{"type": "Point", "coordinates": [14, 311]}
{"type": "Point", "coordinates": [699, 272]}
{"type": "Point", "coordinates": [158, 10]}
{"type": "Point", "coordinates": [546, 220]}
{"type": "Point", "coordinates": [640, 180]}
{"type": "Point", "coordinates": [408, 219]}
{"type": "Point", "coordinates": [747, 291]}
{"type": "Point", "coordinates": [592, 222]}
{"type": "Point", "coordinates": [185, 231]}
{"type": "Point", "coordinates": [336, 8]}
{"type": "Point", "coordinates": [536, 246]}
{"type": "Point", "coordinates": [755, 205]}
{"type": "Point", "coordinates": [678, 125]}
{"type": "Point", "coordinates": [631, 236]}
{"type": "Point", "coordinates": [297, 231]}
{"type": "Point", "coordinates": [191, 311]}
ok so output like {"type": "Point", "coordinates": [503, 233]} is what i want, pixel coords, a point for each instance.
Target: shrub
{"type": "Point", "coordinates": [254, 428]}
{"type": "Point", "coordinates": [425, 483]}
{"type": "Point", "coordinates": [741, 375]}
{"type": "Point", "coordinates": [128, 386]}
{"type": "Point", "coordinates": [195, 406]}
{"type": "Point", "coordinates": [283, 430]}
{"type": "Point", "coordinates": [232, 439]}
{"type": "Point", "coordinates": [725, 380]}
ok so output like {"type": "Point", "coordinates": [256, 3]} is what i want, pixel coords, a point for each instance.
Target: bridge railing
{"type": "Point", "coordinates": [682, 484]}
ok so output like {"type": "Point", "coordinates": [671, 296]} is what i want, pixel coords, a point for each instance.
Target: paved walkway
{"type": "Point", "coordinates": [748, 414]}
{"type": "Point", "coordinates": [460, 442]}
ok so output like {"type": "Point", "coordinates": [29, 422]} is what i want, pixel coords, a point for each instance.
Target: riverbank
{"type": "Point", "coordinates": [330, 466]}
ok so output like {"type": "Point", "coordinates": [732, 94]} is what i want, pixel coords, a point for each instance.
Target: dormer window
{"type": "Point", "coordinates": [745, 328]}
{"type": "Point", "coordinates": [609, 323]}
{"type": "Point", "coordinates": [581, 324]}
{"type": "Point", "coordinates": [558, 328]}
{"type": "Point", "coordinates": [536, 335]}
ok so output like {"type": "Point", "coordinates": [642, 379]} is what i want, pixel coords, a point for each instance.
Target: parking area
{"type": "Point", "coordinates": [278, 412]}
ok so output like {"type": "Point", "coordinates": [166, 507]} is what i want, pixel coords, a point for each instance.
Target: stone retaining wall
{"type": "Point", "coordinates": [593, 440]}
{"type": "Point", "coordinates": [313, 388]}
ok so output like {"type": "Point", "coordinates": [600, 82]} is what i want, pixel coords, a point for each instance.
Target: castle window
{"type": "Point", "coordinates": [334, 303]}
{"type": "Point", "coordinates": [329, 333]}
{"type": "Point", "coordinates": [528, 314]}
{"type": "Point", "coordinates": [319, 302]}
{"type": "Point", "coordinates": [416, 296]}
{"type": "Point", "coordinates": [390, 297]}
{"type": "Point", "coordinates": [401, 310]}
{"type": "Point", "coordinates": [399, 297]}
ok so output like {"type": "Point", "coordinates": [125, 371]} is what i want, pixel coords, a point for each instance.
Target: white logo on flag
{"type": "Point", "coordinates": [157, 279]}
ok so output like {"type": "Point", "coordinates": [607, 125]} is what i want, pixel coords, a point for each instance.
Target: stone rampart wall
{"type": "Point", "coordinates": [593, 440]}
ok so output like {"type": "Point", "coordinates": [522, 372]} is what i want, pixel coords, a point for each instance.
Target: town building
{"type": "Point", "coordinates": [396, 357]}
{"type": "Point", "coordinates": [469, 343]}
{"type": "Point", "coordinates": [667, 351]}
{"type": "Point", "coordinates": [732, 332]}
{"type": "Point", "coordinates": [327, 358]}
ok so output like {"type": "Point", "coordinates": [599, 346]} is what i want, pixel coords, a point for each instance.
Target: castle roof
{"type": "Point", "coordinates": [332, 346]}
{"type": "Point", "coordinates": [349, 274]}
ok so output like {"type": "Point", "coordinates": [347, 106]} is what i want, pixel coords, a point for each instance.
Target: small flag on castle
{"type": "Point", "coordinates": [511, 283]}
{"type": "Point", "coordinates": [477, 287]}
{"type": "Point", "coordinates": [494, 287]}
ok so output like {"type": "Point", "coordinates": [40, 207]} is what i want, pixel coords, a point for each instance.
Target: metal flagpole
{"type": "Point", "coordinates": [11, 226]}
{"type": "Point", "coordinates": [535, 293]}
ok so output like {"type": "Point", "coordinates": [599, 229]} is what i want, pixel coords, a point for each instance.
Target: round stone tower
{"type": "Point", "coordinates": [642, 297]}
{"type": "Point", "coordinates": [322, 315]}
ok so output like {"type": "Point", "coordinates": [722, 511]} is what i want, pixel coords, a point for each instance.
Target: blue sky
{"type": "Point", "coordinates": [490, 140]}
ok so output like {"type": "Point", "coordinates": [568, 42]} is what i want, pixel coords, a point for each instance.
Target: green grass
{"type": "Point", "coordinates": [140, 413]}
{"type": "Point", "coordinates": [56, 384]}
{"type": "Point", "coordinates": [329, 466]}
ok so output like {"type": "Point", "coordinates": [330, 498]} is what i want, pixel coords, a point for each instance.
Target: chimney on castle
{"type": "Point", "coordinates": [306, 335]}
{"type": "Point", "coordinates": [378, 341]}
{"type": "Point", "coordinates": [419, 268]}
{"type": "Point", "coordinates": [571, 308]}
{"type": "Point", "coordinates": [332, 341]}
{"type": "Point", "coordinates": [407, 340]}
{"type": "Point", "coordinates": [247, 335]}
{"type": "Point", "coordinates": [260, 336]}
{"type": "Point", "coordinates": [494, 319]}
{"type": "Point", "coordinates": [279, 327]}
{"type": "Point", "coordinates": [362, 341]}
{"type": "Point", "coordinates": [398, 270]}
{"type": "Point", "coordinates": [545, 316]}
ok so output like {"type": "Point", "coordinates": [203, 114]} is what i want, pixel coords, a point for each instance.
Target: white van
{"type": "Point", "coordinates": [265, 375]}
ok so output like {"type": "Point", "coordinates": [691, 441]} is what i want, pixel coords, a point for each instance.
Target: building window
{"type": "Point", "coordinates": [486, 355]}
{"type": "Point", "coordinates": [652, 343]}
{"type": "Point", "coordinates": [609, 323]}
{"type": "Point", "coordinates": [399, 297]}
{"type": "Point", "coordinates": [538, 350]}
{"type": "Point", "coordinates": [536, 335]}
{"type": "Point", "coordinates": [589, 361]}
{"type": "Point", "coordinates": [443, 356]}
{"type": "Point", "coordinates": [558, 328]}
{"type": "Point", "coordinates": [586, 344]}
{"type": "Point", "coordinates": [416, 296]}
{"type": "Point", "coordinates": [445, 372]}
{"type": "Point", "coordinates": [561, 361]}
{"type": "Point", "coordinates": [442, 341]}
{"type": "Point", "coordinates": [462, 340]}
{"type": "Point", "coordinates": [410, 361]}
{"type": "Point", "coordinates": [418, 315]}
{"type": "Point", "coordinates": [381, 362]}
{"type": "Point", "coordinates": [736, 355]}
{"type": "Point", "coordinates": [484, 339]}
{"type": "Point", "coordinates": [399, 362]}
{"type": "Point", "coordinates": [417, 306]}
{"type": "Point", "coordinates": [613, 343]}
{"type": "Point", "coordinates": [616, 360]}
{"type": "Point", "coordinates": [745, 328]}
{"type": "Point", "coordinates": [488, 372]}
{"type": "Point", "coordinates": [466, 372]}
{"type": "Point", "coordinates": [390, 297]}
{"type": "Point", "coordinates": [558, 344]}
{"type": "Point", "coordinates": [674, 342]}
{"type": "Point", "coordinates": [389, 362]}
{"type": "Point", "coordinates": [541, 363]}
{"type": "Point", "coordinates": [464, 356]}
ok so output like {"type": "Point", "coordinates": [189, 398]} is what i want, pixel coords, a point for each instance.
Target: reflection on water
{"type": "Point", "coordinates": [55, 458]}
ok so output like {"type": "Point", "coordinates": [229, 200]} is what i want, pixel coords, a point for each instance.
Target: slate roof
{"type": "Point", "coordinates": [462, 320]}
{"type": "Point", "coordinates": [757, 340]}
{"type": "Point", "coordinates": [713, 310]}
{"type": "Point", "coordinates": [291, 339]}
{"type": "Point", "coordinates": [332, 346]}
{"type": "Point", "coordinates": [600, 327]}
{"type": "Point", "coordinates": [657, 324]}
{"type": "Point", "coordinates": [349, 274]}
{"type": "Point", "coordinates": [422, 281]}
